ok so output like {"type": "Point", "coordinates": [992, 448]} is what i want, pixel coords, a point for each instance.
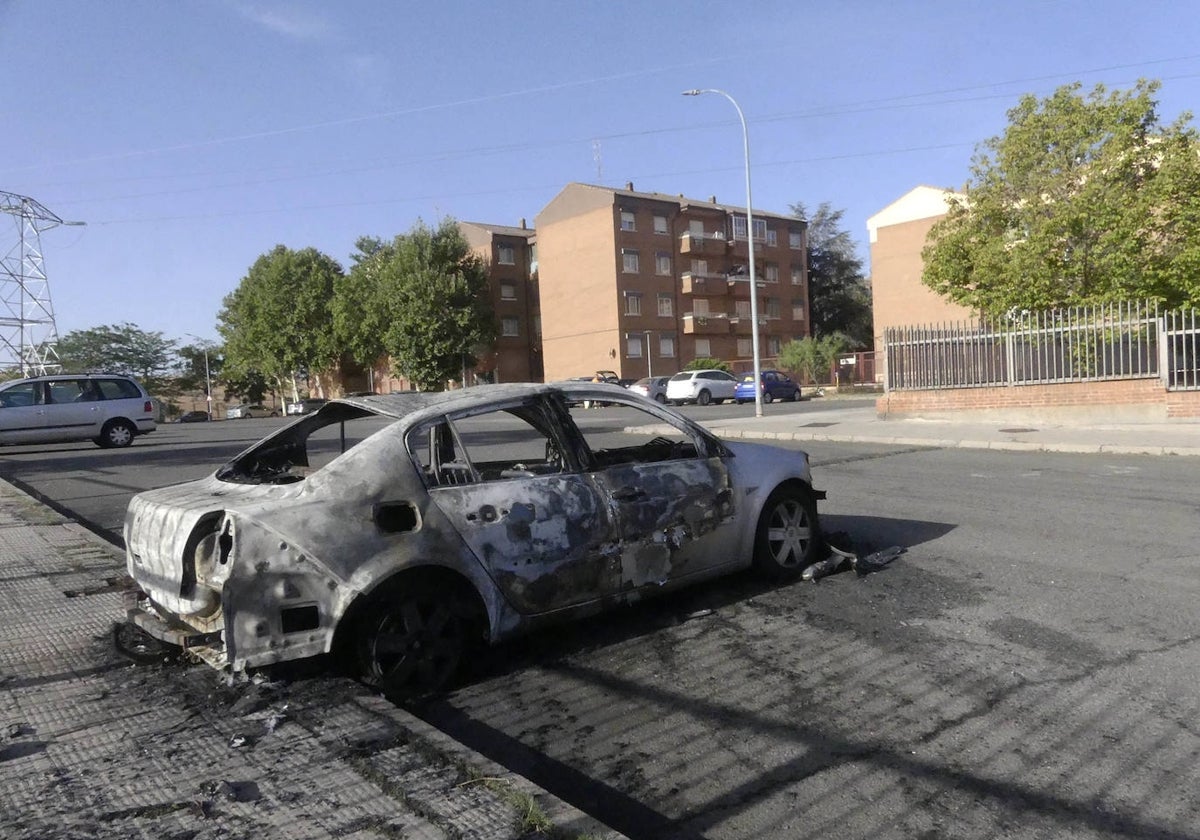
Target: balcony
{"type": "Point", "coordinates": [712, 323]}
{"type": "Point", "coordinates": [742, 325]}
{"type": "Point", "coordinates": [701, 283]}
{"type": "Point", "coordinates": [702, 243]}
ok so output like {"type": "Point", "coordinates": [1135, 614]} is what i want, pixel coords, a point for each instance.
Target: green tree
{"type": "Point", "coordinates": [361, 302]}
{"type": "Point", "coordinates": [707, 364]}
{"type": "Point", "coordinates": [278, 321]}
{"type": "Point", "coordinates": [120, 348]}
{"type": "Point", "coordinates": [839, 300]}
{"type": "Point", "coordinates": [1083, 199]}
{"type": "Point", "coordinates": [811, 359]}
{"type": "Point", "coordinates": [421, 299]}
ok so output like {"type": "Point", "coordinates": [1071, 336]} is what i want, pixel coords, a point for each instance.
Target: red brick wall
{"type": "Point", "coordinates": [1183, 403]}
{"type": "Point", "coordinates": [1119, 393]}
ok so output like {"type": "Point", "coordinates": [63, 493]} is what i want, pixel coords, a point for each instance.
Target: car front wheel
{"type": "Point", "coordinates": [411, 643]}
{"type": "Point", "coordinates": [767, 398]}
{"type": "Point", "coordinates": [788, 537]}
{"type": "Point", "coordinates": [116, 434]}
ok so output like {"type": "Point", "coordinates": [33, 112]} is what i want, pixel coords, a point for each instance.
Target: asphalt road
{"type": "Point", "coordinates": [1028, 668]}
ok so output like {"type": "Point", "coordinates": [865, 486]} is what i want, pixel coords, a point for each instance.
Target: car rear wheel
{"type": "Point", "coordinates": [788, 537]}
{"type": "Point", "coordinates": [116, 434]}
{"type": "Point", "coordinates": [796, 395]}
{"type": "Point", "coordinates": [703, 398]}
{"type": "Point", "coordinates": [411, 642]}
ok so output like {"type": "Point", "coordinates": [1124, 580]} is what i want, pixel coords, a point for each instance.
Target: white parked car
{"type": "Point", "coordinates": [108, 409]}
{"type": "Point", "coordinates": [398, 530]}
{"type": "Point", "coordinates": [701, 387]}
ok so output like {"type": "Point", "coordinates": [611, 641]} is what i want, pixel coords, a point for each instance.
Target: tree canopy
{"type": "Point", "coordinates": [119, 348]}
{"type": "Point", "coordinates": [278, 321]}
{"type": "Point", "coordinates": [421, 299]}
{"type": "Point", "coordinates": [811, 359]}
{"type": "Point", "coordinates": [1084, 199]}
{"type": "Point", "coordinates": [839, 300]}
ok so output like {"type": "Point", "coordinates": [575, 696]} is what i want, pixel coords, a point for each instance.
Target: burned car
{"type": "Point", "coordinates": [399, 530]}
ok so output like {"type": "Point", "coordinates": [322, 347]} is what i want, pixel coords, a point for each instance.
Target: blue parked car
{"type": "Point", "coordinates": [776, 385]}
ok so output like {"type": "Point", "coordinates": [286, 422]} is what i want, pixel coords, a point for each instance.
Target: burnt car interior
{"type": "Point", "coordinates": [301, 449]}
{"type": "Point", "coordinates": [536, 440]}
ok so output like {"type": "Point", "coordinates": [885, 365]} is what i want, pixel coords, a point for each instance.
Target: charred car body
{"type": "Point", "coordinates": [400, 529]}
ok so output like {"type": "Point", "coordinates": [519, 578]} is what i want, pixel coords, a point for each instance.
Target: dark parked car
{"type": "Point", "coordinates": [776, 385]}
{"type": "Point", "coordinates": [398, 530]}
{"type": "Point", "coordinates": [194, 417]}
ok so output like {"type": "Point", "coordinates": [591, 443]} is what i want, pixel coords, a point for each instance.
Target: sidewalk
{"type": "Point", "coordinates": [92, 746]}
{"type": "Point", "coordinates": [858, 423]}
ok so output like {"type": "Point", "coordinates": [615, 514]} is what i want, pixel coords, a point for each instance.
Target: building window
{"type": "Point", "coordinates": [742, 307]}
{"type": "Point", "coordinates": [797, 275]}
{"type": "Point", "coordinates": [703, 350]}
{"type": "Point", "coordinates": [660, 224]}
{"type": "Point", "coordinates": [627, 222]}
{"type": "Point", "coordinates": [795, 240]}
{"type": "Point", "coordinates": [508, 291]}
{"type": "Point", "coordinates": [699, 268]}
{"type": "Point", "coordinates": [745, 347]}
{"type": "Point", "coordinates": [505, 254]}
{"type": "Point", "coordinates": [633, 347]}
{"type": "Point", "coordinates": [510, 327]}
{"type": "Point", "coordinates": [772, 238]}
{"type": "Point", "coordinates": [772, 307]}
{"type": "Point", "coordinates": [633, 303]}
{"type": "Point", "coordinates": [700, 306]}
{"type": "Point", "coordinates": [797, 309]}
{"type": "Point", "coordinates": [772, 272]}
{"type": "Point", "coordinates": [739, 228]}
{"type": "Point", "coordinates": [773, 345]}
{"type": "Point", "coordinates": [666, 346]}
{"type": "Point", "coordinates": [629, 261]}
{"type": "Point", "coordinates": [662, 263]}
{"type": "Point", "coordinates": [666, 305]}
{"type": "Point", "coordinates": [696, 228]}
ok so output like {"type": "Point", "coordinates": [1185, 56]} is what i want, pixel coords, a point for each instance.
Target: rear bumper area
{"type": "Point", "coordinates": [140, 613]}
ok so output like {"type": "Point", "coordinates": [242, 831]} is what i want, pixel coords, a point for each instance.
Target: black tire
{"type": "Point", "coordinates": [411, 641]}
{"type": "Point", "coordinates": [796, 395]}
{"type": "Point", "coordinates": [703, 398]}
{"type": "Point", "coordinates": [660, 399]}
{"type": "Point", "coordinates": [740, 402]}
{"type": "Point", "coordinates": [788, 537]}
{"type": "Point", "coordinates": [116, 434]}
{"type": "Point", "coordinates": [767, 398]}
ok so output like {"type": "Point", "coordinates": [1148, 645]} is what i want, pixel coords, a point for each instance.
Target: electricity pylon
{"type": "Point", "coordinates": [28, 335]}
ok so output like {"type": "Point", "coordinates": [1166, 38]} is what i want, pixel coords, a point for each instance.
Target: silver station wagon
{"type": "Point", "coordinates": [108, 409]}
{"type": "Point", "coordinates": [401, 530]}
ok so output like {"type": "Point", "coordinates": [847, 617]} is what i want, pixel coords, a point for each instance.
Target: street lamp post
{"type": "Point", "coordinates": [758, 403]}
{"type": "Point", "coordinates": [207, 375]}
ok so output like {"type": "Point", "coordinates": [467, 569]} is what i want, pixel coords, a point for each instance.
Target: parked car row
{"type": "Point", "coordinates": [716, 386]}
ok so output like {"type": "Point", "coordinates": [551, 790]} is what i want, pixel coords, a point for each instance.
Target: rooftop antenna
{"type": "Point", "coordinates": [598, 157]}
{"type": "Point", "coordinates": [28, 334]}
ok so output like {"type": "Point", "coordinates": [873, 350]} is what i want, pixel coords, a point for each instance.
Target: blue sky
{"type": "Point", "coordinates": [192, 136]}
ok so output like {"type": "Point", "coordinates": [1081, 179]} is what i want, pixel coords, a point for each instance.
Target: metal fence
{"type": "Point", "coordinates": [1079, 344]}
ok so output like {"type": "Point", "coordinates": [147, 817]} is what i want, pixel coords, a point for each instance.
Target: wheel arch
{"type": "Point", "coordinates": [452, 581]}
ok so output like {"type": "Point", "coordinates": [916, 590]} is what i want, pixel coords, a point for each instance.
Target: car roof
{"type": "Point", "coordinates": [59, 377]}
{"type": "Point", "coordinates": [404, 403]}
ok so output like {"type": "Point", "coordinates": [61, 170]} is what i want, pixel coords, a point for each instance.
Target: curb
{"type": "Point", "coordinates": [938, 443]}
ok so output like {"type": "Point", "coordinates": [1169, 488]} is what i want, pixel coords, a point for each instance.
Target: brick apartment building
{"type": "Point", "coordinates": [640, 283]}
{"type": "Point", "coordinates": [511, 256]}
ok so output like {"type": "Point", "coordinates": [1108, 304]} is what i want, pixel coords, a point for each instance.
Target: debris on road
{"type": "Point", "coordinates": [840, 559]}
